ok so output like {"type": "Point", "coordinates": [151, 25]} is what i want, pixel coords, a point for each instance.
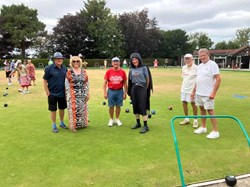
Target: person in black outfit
{"type": "Point", "coordinates": [139, 88]}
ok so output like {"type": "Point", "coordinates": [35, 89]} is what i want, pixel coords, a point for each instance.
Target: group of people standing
{"type": "Point", "coordinates": [139, 87]}
{"type": "Point", "coordinates": [69, 88]}
{"type": "Point", "coordinates": [199, 87]}
{"type": "Point", "coordinates": [25, 74]}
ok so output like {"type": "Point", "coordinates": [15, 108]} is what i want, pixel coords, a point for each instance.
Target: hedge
{"type": "Point", "coordinates": [40, 63]}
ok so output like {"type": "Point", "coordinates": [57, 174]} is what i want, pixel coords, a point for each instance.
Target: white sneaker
{"type": "Point", "coordinates": [111, 122]}
{"type": "Point", "coordinates": [184, 122]}
{"type": "Point", "coordinates": [27, 91]}
{"type": "Point", "coordinates": [200, 130]}
{"type": "Point", "coordinates": [213, 135]}
{"type": "Point", "coordinates": [118, 122]}
{"type": "Point", "coordinates": [23, 92]}
{"type": "Point", "coordinates": [9, 84]}
{"type": "Point", "coordinates": [195, 124]}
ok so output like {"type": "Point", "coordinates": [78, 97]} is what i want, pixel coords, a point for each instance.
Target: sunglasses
{"type": "Point", "coordinates": [76, 61]}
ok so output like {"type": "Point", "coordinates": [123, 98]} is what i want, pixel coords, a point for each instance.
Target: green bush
{"type": "Point", "coordinates": [40, 63]}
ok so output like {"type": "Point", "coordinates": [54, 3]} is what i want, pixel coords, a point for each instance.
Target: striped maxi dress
{"type": "Point", "coordinates": [77, 89]}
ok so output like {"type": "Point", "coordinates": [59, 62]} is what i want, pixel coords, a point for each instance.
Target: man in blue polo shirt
{"type": "Point", "coordinates": [54, 85]}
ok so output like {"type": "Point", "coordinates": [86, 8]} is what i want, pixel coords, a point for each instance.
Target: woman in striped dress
{"type": "Point", "coordinates": [77, 94]}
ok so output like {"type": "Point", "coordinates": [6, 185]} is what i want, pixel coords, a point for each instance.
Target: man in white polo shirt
{"type": "Point", "coordinates": [207, 84]}
{"type": "Point", "coordinates": [189, 73]}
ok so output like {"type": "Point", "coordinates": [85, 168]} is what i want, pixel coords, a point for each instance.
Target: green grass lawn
{"type": "Point", "coordinates": [31, 155]}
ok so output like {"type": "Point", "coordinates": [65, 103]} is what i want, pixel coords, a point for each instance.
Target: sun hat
{"type": "Point", "coordinates": [115, 59]}
{"type": "Point", "coordinates": [58, 55]}
{"type": "Point", "coordinates": [188, 55]}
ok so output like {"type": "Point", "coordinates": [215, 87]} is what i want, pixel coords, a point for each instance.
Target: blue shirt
{"type": "Point", "coordinates": [56, 79]}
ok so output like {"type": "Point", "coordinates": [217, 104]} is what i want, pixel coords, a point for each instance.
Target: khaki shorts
{"type": "Point", "coordinates": [204, 101]}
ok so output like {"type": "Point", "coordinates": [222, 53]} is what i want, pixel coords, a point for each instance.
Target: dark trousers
{"type": "Point", "coordinates": [139, 98]}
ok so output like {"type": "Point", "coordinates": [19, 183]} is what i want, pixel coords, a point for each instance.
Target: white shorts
{"type": "Point", "coordinates": [186, 97]}
{"type": "Point", "coordinates": [204, 101]}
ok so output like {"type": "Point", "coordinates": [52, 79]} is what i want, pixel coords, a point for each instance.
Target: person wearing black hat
{"type": "Point", "coordinates": [139, 88]}
{"type": "Point", "coordinates": [54, 85]}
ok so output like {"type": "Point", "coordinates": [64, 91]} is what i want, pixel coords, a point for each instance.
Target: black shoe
{"type": "Point", "coordinates": [144, 130]}
{"type": "Point", "coordinates": [63, 126]}
{"type": "Point", "coordinates": [136, 126]}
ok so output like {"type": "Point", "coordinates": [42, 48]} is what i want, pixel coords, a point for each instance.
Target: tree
{"type": "Point", "coordinates": [231, 44]}
{"type": "Point", "coordinates": [104, 35]}
{"type": "Point", "coordinates": [200, 40]}
{"type": "Point", "coordinates": [221, 45]}
{"type": "Point", "coordinates": [141, 33]}
{"type": "Point", "coordinates": [175, 43]}
{"type": "Point", "coordinates": [243, 36]}
{"type": "Point", "coordinates": [70, 35]}
{"type": "Point", "coordinates": [21, 24]}
{"type": "Point", "coordinates": [44, 45]}
{"type": "Point", "coordinates": [5, 45]}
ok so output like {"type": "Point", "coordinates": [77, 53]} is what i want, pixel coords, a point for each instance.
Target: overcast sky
{"type": "Point", "coordinates": [218, 18]}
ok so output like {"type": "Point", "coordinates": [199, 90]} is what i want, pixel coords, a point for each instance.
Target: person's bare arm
{"type": "Point", "coordinates": [125, 86]}
{"type": "Point", "coordinates": [105, 88]}
{"type": "Point", "coordinates": [216, 86]}
{"type": "Point", "coordinates": [193, 92]}
{"type": "Point", "coordinates": [46, 88]}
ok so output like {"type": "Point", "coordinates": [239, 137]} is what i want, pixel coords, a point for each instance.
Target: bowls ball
{"type": "Point", "coordinates": [230, 180]}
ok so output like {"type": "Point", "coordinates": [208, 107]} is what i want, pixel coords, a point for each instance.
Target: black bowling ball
{"type": "Point", "coordinates": [230, 180]}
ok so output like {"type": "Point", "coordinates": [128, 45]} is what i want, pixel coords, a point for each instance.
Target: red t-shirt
{"type": "Point", "coordinates": [115, 78]}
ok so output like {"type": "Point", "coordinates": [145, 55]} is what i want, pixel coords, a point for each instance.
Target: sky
{"type": "Point", "coordinates": [220, 19]}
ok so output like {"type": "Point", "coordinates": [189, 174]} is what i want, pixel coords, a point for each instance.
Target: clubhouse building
{"type": "Point", "coordinates": [229, 58]}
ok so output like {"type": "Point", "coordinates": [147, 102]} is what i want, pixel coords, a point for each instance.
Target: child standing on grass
{"type": "Point", "coordinates": [7, 69]}
{"type": "Point", "coordinates": [24, 78]}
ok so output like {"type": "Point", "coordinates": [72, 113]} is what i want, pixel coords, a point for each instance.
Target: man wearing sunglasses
{"type": "Point", "coordinates": [54, 85]}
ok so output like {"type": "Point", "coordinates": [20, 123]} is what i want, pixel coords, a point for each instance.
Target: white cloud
{"type": "Point", "coordinates": [220, 19]}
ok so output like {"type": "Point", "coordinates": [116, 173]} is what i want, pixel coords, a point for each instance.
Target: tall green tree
{"type": "Point", "coordinates": [141, 33]}
{"type": "Point", "coordinates": [21, 24]}
{"type": "Point", "coordinates": [5, 45]}
{"type": "Point", "coordinates": [70, 35]}
{"type": "Point", "coordinates": [175, 43]}
{"type": "Point", "coordinates": [243, 36]}
{"type": "Point", "coordinates": [200, 40]}
{"type": "Point", "coordinates": [105, 38]}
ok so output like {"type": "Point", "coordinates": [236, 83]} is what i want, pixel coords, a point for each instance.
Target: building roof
{"type": "Point", "coordinates": [219, 51]}
{"type": "Point", "coordinates": [245, 50]}
{"type": "Point", "coordinates": [242, 49]}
